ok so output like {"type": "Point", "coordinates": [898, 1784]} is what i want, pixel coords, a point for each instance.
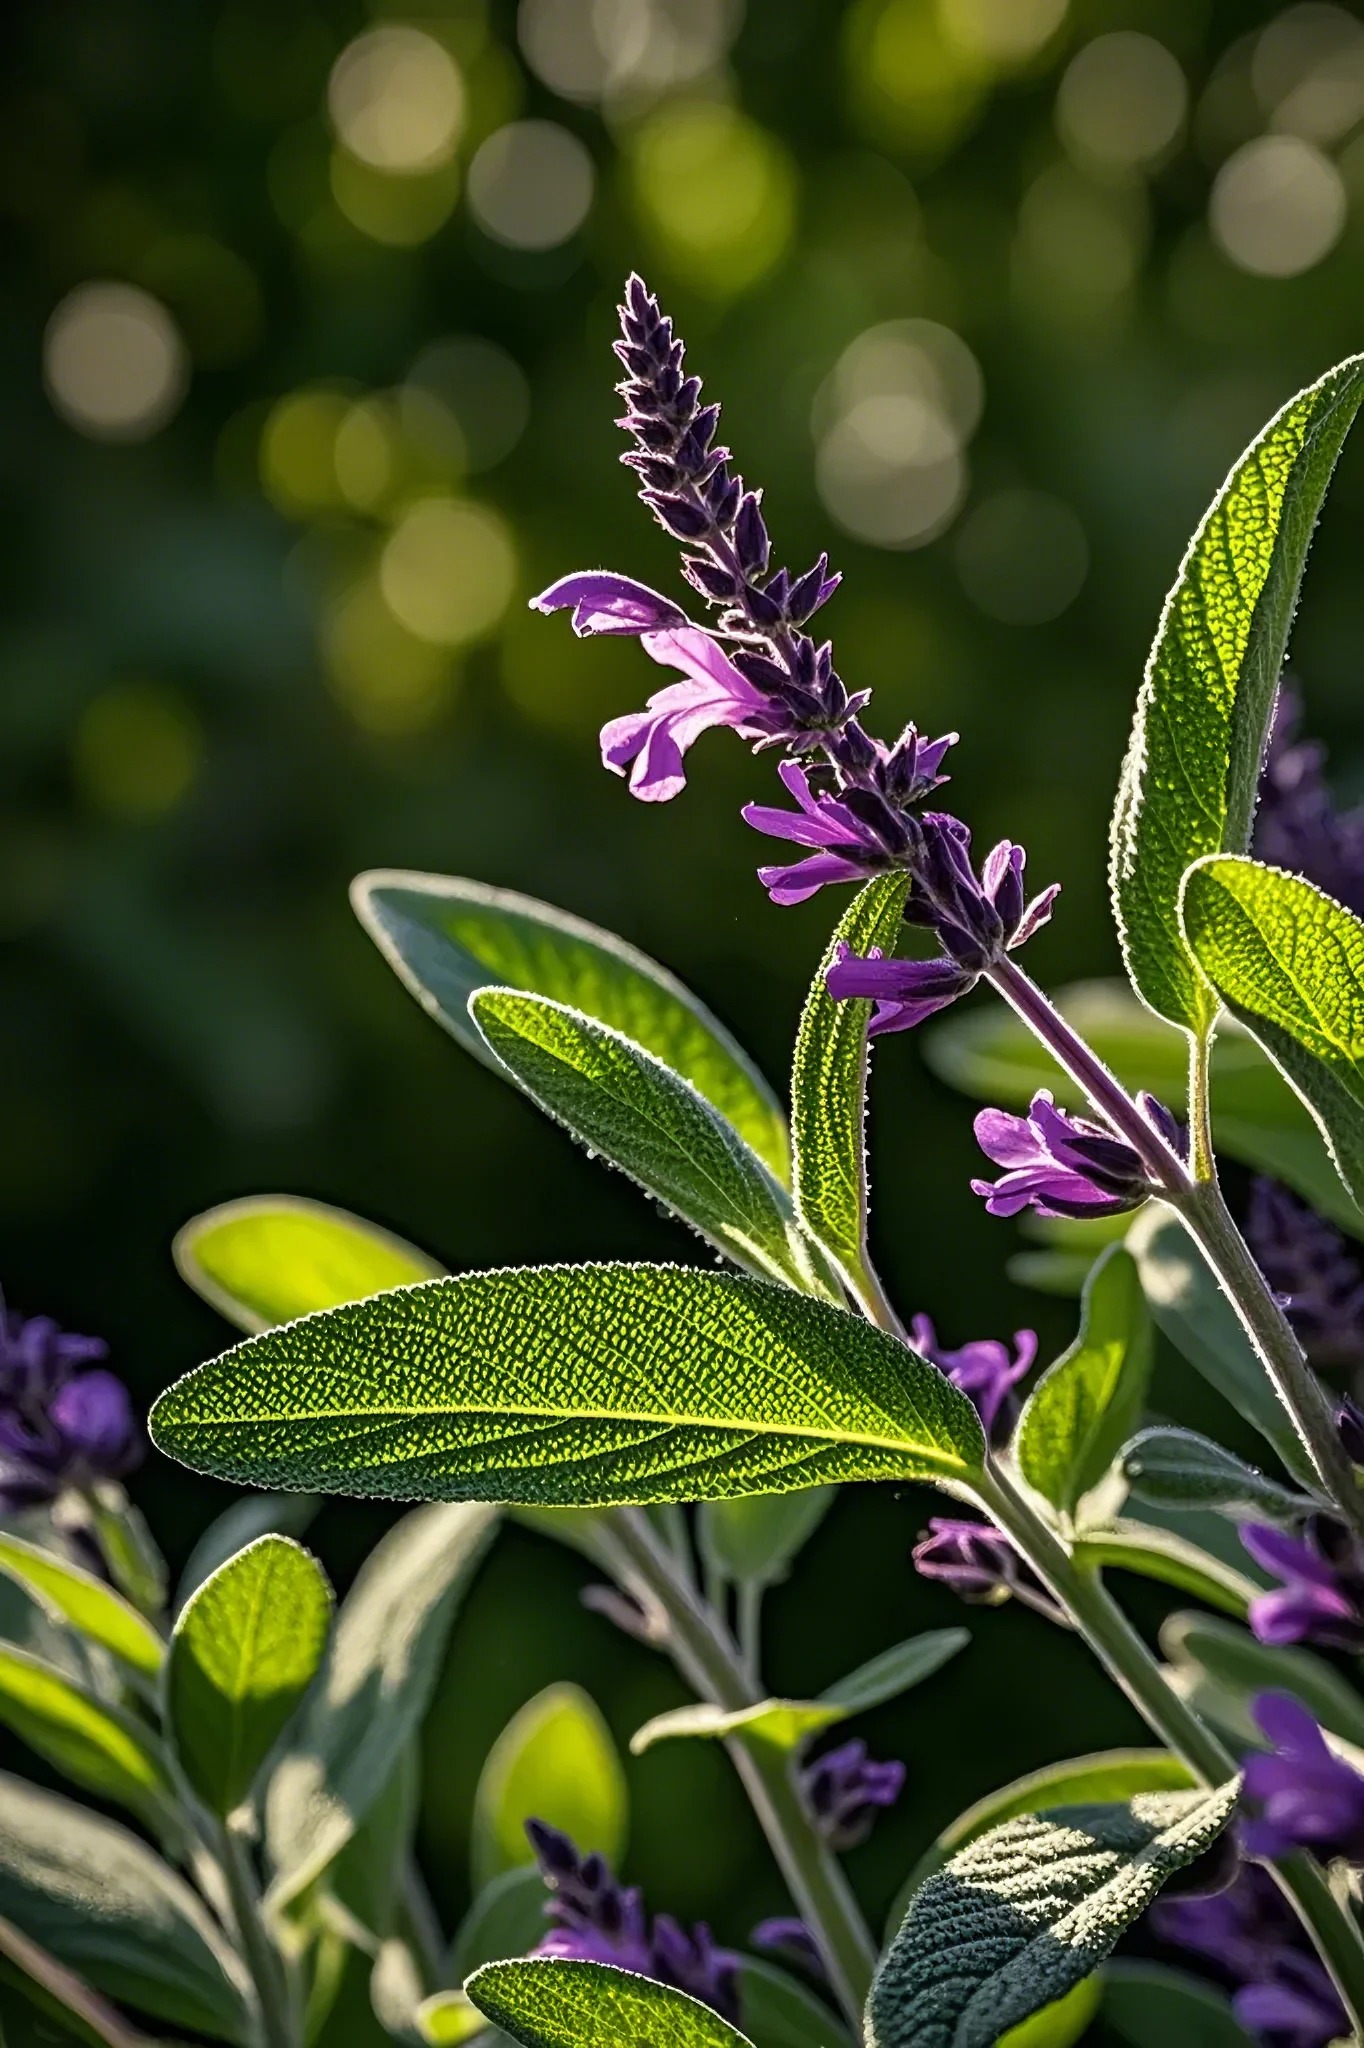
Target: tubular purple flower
{"type": "Point", "coordinates": [1321, 1599]}
{"type": "Point", "coordinates": [852, 849]}
{"type": "Point", "coordinates": [904, 991]}
{"type": "Point", "coordinates": [1058, 1164]}
{"type": "Point", "coordinates": [985, 1370]}
{"type": "Point", "coordinates": [64, 1421]}
{"type": "Point", "coordinates": [1302, 1794]}
{"type": "Point", "coordinates": [786, 1935]}
{"type": "Point", "coordinates": [980, 1565]}
{"type": "Point", "coordinates": [656, 739]}
{"type": "Point", "coordinates": [846, 1789]}
{"type": "Point", "coordinates": [603, 602]}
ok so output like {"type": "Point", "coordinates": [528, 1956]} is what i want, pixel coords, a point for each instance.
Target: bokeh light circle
{"type": "Point", "coordinates": [1122, 101]}
{"type": "Point", "coordinates": [531, 185]}
{"type": "Point", "coordinates": [1001, 31]}
{"type": "Point", "coordinates": [1022, 557]}
{"type": "Point", "coordinates": [718, 191]}
{"type": "Point", "coordinates": [113, 362]}
{"type": "Point", "coordinates": [448, 570]}
{"type": "Point", "coordinates": [1278, 206]}
{"type": "Point", "coordinates": [396, 99]}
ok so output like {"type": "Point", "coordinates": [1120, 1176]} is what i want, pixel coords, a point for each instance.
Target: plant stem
{"type": "Point", "coordinates": [278, 2028]}
{"type": "Point", "coordinates": [706, 1657]}
{"type": "Point", "coordinates": [1334, 1931]}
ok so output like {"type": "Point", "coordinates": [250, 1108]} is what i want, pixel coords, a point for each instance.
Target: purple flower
{"type": "Point", "coordinates": [1313, 1269]}
{"type": "Point", "coordinates": [846, 1789]}
{"type": "Point", "coordinates": [595, 1919]}
{"type": "Point", "coordinates": [1321, 1599]}
{"type": "Point", "coordinates": [1250, 1934]}
{"type": "Point", "coordinates": [851, 850]}
{"type": "Point", "coordinates": [1058, 1164]}
{"type": "Point", "coordinates": [980, 1565]}
{"type": "Point", "coordinates": [603, 602]}
{"type": "Point", "coordinates": [1306, 1797]}
{"type": "Point", "coordinates": [788, 1936]}
{"type": "Point", "coordinates": [985, 1369]}
{"type": "Point", "coordinates": [63, 1420]}
{"type": "Point", "coordinates": [657, 738]}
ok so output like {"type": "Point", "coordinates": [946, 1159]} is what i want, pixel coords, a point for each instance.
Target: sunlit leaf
{"type": "Point", "coordinates": [554, 1761]}
{"type": "Point", "coordinates": [111, 1753]}
{"type": "Point", "coordinates": [268, 1258]}
{"type": "Point", "coordinates": [91, 1606]}
{"type": "Point", "coordinates": [1241, 1666]}
{"type": "Point", "coordinates": [1168, 1557]}
{"type": "Point", "coordinates": [1083, 1407]}
{"type": "Point", "coordinates": [591, 2005]}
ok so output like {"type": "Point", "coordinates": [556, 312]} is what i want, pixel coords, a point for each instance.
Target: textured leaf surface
{"type": "Point", "coordinates": [268, 1258]}
{"type": "Point", "coordinates": [109, 1752]}
{"type": "Point", "coordinates": [1178, 1468]}
{"type": "Point", "coordinates": [243, 1654]}
{"type": "Point", "coordinates": [788, 1722]}
{"type": "Point", "coordinates": [91, 1606]}
{"type": "Point", "coordinates": [1238, 1664]}
{"type": "Point", "coordinates": [445, 938]}
{"type": "Point", "coordinates": [625, 1104]}
{"type": "Point", "coordinates": [829, 1088]}
{"type": "Point", "coordinates": [581, 1386]}
{"type": "Point", "coordinates": [1257, 1119]}
{"type": "Point", "coordinates": [1030, 1909]}
{"type": "Point", "coordinates": [1083, 1407]}
{"type": "Point", "coordinates": [1192, 770]}
{"type": "Point", "coordinates": [99, 1900]}
{"type": "Point", "coordinates": [554, 1761]}
{"type": "Point", "coordinates": [758, 1539]}
{"type": "Point", "coordinates": [1288, 961]}
{"type": "Point", "coordinates": [373, 1689]}
{"type": "Point", "coordinates": [1196, 1316]}
{"type": "Point", "coordinates": [591, 2005]}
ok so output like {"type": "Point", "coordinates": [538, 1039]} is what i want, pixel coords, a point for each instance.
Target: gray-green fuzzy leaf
{"type": "Point", "coordinates": [1148, 2006]}
{"type": "Point", "coordinates": [572, 1386]}
{"type": "Point", "coordinates": [1191, 775]}
{"type": "Point", "coordinates": [1178, 1468]}
{"type": "Point", "coordinates": [90, 1740]}
{"type": "Point", "coordinates": [829, 1089]}
{"type": "Point", "coordinates": [1084, 1406]}
{"type": "Point", "coordinates": [591, 2005]}
{"type": "Point", "coordinates": [1021, 1916]}
{"type": "Point", "coordinates": [628, 1106]}
{"type": "Point", "coordinates": [1288, 961]}
{"type": "Point", "coordinates": [87, 1603]}
{"type": "Point", "coordinates": [1241, 1666]}
{"type": "Point", "coordinates": [445, 937]}
{"type": "Point", "coordinates": [756, 1540]}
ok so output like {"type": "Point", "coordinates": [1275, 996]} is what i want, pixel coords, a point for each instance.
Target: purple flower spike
{"type": "Point", "coordinates": [595, 1919]}
{"type": "Point", "coordinates": [1297, 825]}
{"type": "Point", "coordinates": [656, 739]}
{"type": "Point", "coordinates": [1056, 1163]}
{"type": "Point", "coordinates": [985, 1370]}
{"type": "Point", "coordinates": [603, 602]}
{"type": "Point", "coordinates": [1306, 1796]}
{"type": "Point", "coordinates": [1322, 1597]}
{"type": "Point", "coordinates": [61, 1425]}
{"type": "Point", "coordinates": [846, 1789]}
{"type": "Point", "coordinates": [852, 848]}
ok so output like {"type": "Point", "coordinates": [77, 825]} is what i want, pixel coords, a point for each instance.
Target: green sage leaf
{"type": "Point", "coordinates": [581, 1386]}
{"type": "Point", "coordinates": [445, 938]}
{"type": "Point", "coordinates": [87, 1603]}
{"type": "Point", "coordinates": [1170, 1558]}
{"type": "Point", "coordinates": [1026, 1912]}
{"type": "Point", "coordinates": [372, 1692]}
{"type": "Point", "coordinates": [1288, 961]}
{"type": "Point", "coordinates": [779, 2012]}
{"type": "Point", "coordinates": [755, 1541]}
{"type": "Point", "coordinates": [829, 1090]}
{"type": "Point", "coordinates": [97, 1898]}
{"type": "Point", "coordinates": [554, 1761]}
{"type": "Point", "coordinates": [93, 1742]}
{"type": "Point", "coordinates": [626, 1105]}
{"type": "Point", "coordinates": [1085, 1406]}
{"type": "Point", "coordinates": [560, 2004]}
{"type": "Point", "coordinates": [1148, 2006]}
{"type": "Point", "coordinates": [367, 1878]}
{"type": "Point", "coordinates": [1191, 776]}
{"type": "Point", "coordinates": [259, 1514]}
{"type": "Point", "coordinates": [268, 1258]}
{"type": "Point", "coordinates": [506, 1919]}
{"type": "Point", "coordinates": [1240, 1666]}
{"type": "Point", "coordinates": [1177, 1468]}
{"type": "Point", "coordinates": [243, 1654]}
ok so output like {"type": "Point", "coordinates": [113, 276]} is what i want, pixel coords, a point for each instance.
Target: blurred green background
{"type": "Point", "coordinates": [307, 388]}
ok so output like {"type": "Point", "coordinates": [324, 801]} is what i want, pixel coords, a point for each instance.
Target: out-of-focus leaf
{"type": "Point", "coordinates": [1151, 2007]}
{"type": "Point", "coordinates": [100, 1901]}
{"type": "Point", "coordinates": [260, 1514]}
{"type": "Point", "coordinates": [626, 1106]}
{"type": "Point", "coordinates": [109, 1752]}
{"type": "Point", "coordinates": [447, 2018]}
{"type": "Point", "coordinates": [43, 2004]}
{"type": "Point", "coordinates": [1192, 772]}
{"type": "Point", "coordinates": [779, 2012]}
{"type": "Point", "coordinates": [1238, 1664]}
{"type": "Point", "coordinates": [591, 2005]}
{"type": "Point", "coordinates": [367, 1876]}
{"type": "Point", "coordinates": [755, 1541]}
{"type": "Point", "coordinates": [1062, 2023]}
{"type": "Point", "coordinates": [1083, 1407]}
{"type": "Point", "coordinates": [1168, 1557]}
{"type": "Point", "coordinates": [90, 1605]}
{"type": "Point", "coordinates": [507, 1918]}
{"type": "Point", "coordinates": [445, 938]}
{"type": "Point", "coordinates": [265, 1259]}
{"type": "Point", "coordinates": [397, 1990]}
{"type": "Point", "coordinates": [1178, 1468]}
{"type": "Point", "coordinates": [373, 1689]}
{"type": "Point", "coordinates": [554, 1761]}
{"type": "Point", "coordinates": [829, 1089]}
{"type": "Point", "coordinates": [580, 1386]}
{"type": "Point", "coordinates": [244, 1652]}
{"type": "Point", "coordinates": [1015, 1921]}
{"type": "Point", "coordinates": [131, 1553]}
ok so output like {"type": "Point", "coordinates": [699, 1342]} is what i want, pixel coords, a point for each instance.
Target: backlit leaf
{"type": "Point", "coordinates": [87, 1603]}
{"type": "Point", "coordinates": [554, 1761]}
{"type": "Point", "coordinates": [268, 1258]}
{"type": "Point", "coordinates": [1083, 1407]}
{"type": "Point", "coordinates": [1242, 1666]}
{"type": "Point", "coordinates": [111, 1753]}
{"type": "Point", "coordinates": [591, 2005]}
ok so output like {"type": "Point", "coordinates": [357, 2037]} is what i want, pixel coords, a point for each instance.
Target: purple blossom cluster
{"type": "Point", "coordinates": [64, 1420]}
{"type": "Point", "coordinates": [1314, 1270]}
{"type": "Point", "coordinates": [1320, 1598]}
{"type": "Point", "coordinates": [1249, 1933]}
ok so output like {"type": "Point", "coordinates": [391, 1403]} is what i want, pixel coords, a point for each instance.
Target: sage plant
{"type": "Point", "coordinates": [684, 1428]}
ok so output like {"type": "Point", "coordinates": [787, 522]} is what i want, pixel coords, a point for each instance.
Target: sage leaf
{"type": "Point", "coordinates": [1192, 1311]}
{"type": "Point", "coordinates": [1178, 1468]}
{"type": "Point", "coordinates": [829, 1090]}
{"type": "Point", "coordinates": [559, 2004]}
{"type": "Point", "coordinates": [268, 1258]}
{"type": "Point", "coordinates": [787, 1723]}
{"type": "Point", "coordinates": [259, 1514]}
{"type": "Point", "coordinates": [554, 1761]}
{"type": "Point", "coordinates": [1016, 1920]}
{"type": "Point", "coordinates": [87, 1603]}
{"type": "Point", "coordinates": [111, 1753]}
{"type": "Point", "coordinates": [1192, 771]}
{"type": "Point", "coordinates": [243, 1654]}
{"type": "Point", "coordinates": [572, 1386]}
{"type": "Point", "coordinates": [1241, 1666]}
{"type": "Point", "coordinates": [626, 1105]}
{"type": "Point", "coordinates": [1170, 1558]}
{"type": "Point", "coordinates": [372, 1692]}
{"type": "Point", "coordinates": [779, 2012]}
{"type": "Point", "coordinates": [755, 1541]}
{"type": "Point", "coordinates": [445, 938]}
{"type": "Point", "coordinates": [367, 1878]}
{"type": "Point", "coordinates": [1148, 2006]}
{"type": "Point", "coordinates": [1084, 1406]}
{"type": "Point", "coordinates": [99, 1900]}
{"type": "Point", "coordinates": [1288, 962]}
{"type": "Point", "coordinates": [507, 1918]}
